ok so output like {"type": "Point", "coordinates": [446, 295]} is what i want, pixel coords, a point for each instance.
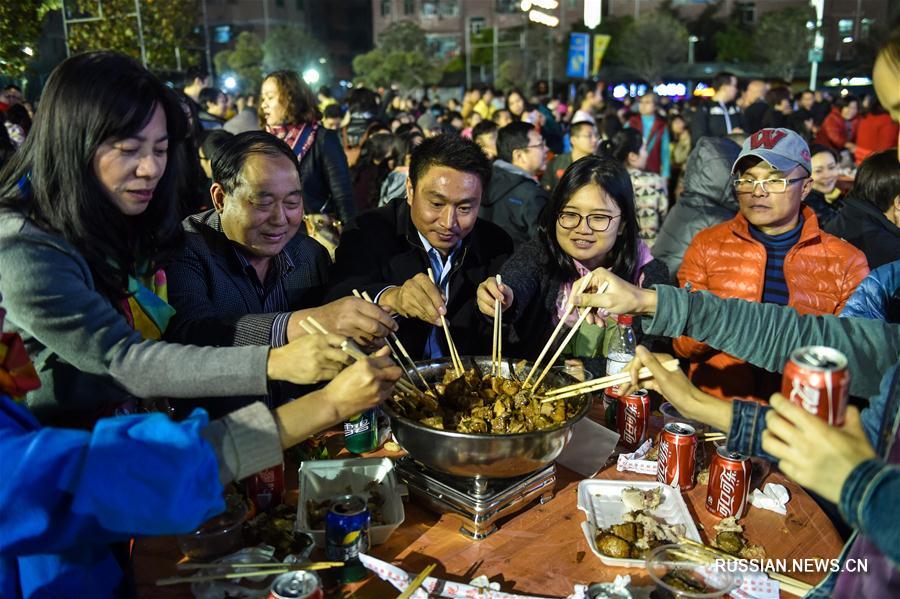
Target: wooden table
{"type": "Point", "coordinates": [540, 551]}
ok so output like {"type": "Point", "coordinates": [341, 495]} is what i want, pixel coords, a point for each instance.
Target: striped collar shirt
{"type": "Point", "coordinates": [271, 291]}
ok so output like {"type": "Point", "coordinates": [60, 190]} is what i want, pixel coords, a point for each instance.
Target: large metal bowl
{"type": "Point", "coordinates": [483, 455]}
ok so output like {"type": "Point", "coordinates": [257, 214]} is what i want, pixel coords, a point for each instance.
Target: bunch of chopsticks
{"type": "Point", "coordinates": [692, 550]}
{"type": "Point", "coordinates": [349, 347]}
{"type": "Point", "coordinates": [401, 356]}
{"type": "Point", "coordinates": [232, 571]}
{"type": "Point", "coordinates": [562, 321]}
{"type": "Point", "coordinates": [497, 347]}
{"type": "Point", "coordinates": [594, 385]}
{"type": "Point", "coordinates": [454, 355]}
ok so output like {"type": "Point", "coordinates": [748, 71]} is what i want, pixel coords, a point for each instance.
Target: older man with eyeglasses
{"type": "Point", "coordinates": [772, 251]}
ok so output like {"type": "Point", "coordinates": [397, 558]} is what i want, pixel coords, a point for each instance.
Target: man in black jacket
{"type": "Point", "coordinates": [388, 251]}
{"type": "Point", "coordinates": [870, 215]}
{"type": "Point", "coordinates": [719, 116]}
{"type": "Point", "coordinates": [515, 198]}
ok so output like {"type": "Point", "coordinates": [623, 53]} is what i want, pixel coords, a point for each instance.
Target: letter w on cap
{"type": "Point", "coordinates": [767, 138]}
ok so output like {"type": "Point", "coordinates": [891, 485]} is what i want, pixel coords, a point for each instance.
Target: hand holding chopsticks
{"type": "Point", "coordinates": [312, 326]}
{"type": "Point", "coordinates": [395, 342]}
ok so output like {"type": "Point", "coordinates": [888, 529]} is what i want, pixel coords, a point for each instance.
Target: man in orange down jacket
{"type": "Point", "coordinates": [773, 251]}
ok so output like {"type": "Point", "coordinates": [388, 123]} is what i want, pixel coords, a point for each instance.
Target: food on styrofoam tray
{"type": "Point", "coordinates": [373, 493]}
{"type": "Point", "coordinates": [730, 539]}
{"type": "Point", "coordinates": [321, 481]}
{"type": "Point", "coordinates": [626, 519]}
{"type": "Point", "coordinates": [637, 499]}
{"type": "Point", "coordinates": [640, 533]}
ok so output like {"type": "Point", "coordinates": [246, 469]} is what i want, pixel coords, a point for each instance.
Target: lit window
{"type": "Point", "coordinates": [845, 26]}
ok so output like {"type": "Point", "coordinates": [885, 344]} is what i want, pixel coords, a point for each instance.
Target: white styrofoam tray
{"type": "Point", "coordinates": [601, 501]}
{"type": "Point", "coordinates": [324, 479]}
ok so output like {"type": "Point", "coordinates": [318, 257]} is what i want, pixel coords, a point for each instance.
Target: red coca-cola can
{"type": "Point", "coordinates": [633, 419]}
{"type": "Point", "coordinates": [816, 378]}
{"type": "Point", "coordinates": [729, 484]}
{"type": "Point", "coordinates": [266, 488]}
{"type": "Point", "coordinates": [301, 584]}
{"type": "Point", "coordinates": [677, 455]}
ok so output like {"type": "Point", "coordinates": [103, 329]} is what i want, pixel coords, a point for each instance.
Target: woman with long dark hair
{"type": "Point", "coordinates": [88, 217]}
{"type": "Point", "coordinates": [288, 110]}
{"type": "Point", "coordinates": [589, 223]}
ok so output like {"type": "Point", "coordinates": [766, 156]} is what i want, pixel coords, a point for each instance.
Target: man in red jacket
{"type": "Point", "coordinates": [773, 251]}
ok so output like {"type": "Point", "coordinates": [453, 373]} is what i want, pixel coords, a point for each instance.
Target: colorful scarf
{"type": "Point", "coordinates": [146, 308]}
{"type": "Point", "coordinates": [299, 137]}
{"type": "Point", "coordinates": [17, 374]}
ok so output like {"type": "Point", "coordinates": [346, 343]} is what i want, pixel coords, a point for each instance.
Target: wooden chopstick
{"type": "Point", "coordinates": [394, 353]}
{"type": "Point", "coordinates": [416, 582]}
{"type": "Point", "coordinates": [562, 346]}
{"type": "Point", "coordinates": [454, 357]}
{"type": "Point", "coordinates": [568, 337]}
{"type": "Point", "coordinates": [499, 323]}
{"type": "Point", "coordinates": [208, 566]}
{"type": "Point", "coordinates": [396, 340]}
{"type": "Point", "coordinates": [562, 321]}
{"type": "Point", "coordinates": [781, 578]}
{"type": "Point", "coordinates": [278, 569]}
{"type": "Point", "coordinates": [608, 381]}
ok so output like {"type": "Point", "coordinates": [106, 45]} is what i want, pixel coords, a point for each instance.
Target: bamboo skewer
{"type": "Point", "coordinates": [568, 337]}
{"type": "Point", "coordinates": [416, 582]}
{"type": "Point", "coordinates": [454, 357]}
{"type": "Point", "coordinates": [643, 373]}
{"type": "Point", "coordinates": [411, 364]}
{"type": "Point", "coordinates": [783, 579]}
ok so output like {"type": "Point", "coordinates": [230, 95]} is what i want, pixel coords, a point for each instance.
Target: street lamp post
{"type": "Point", "coordinates": [691, 41]}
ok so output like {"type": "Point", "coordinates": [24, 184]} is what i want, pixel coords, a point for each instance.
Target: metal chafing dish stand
{"type": "Point", "coordinates": [480, 478]}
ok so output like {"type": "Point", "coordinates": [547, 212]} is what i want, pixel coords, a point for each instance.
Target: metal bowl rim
{"type": "Point", "coordinates": [456, 434]}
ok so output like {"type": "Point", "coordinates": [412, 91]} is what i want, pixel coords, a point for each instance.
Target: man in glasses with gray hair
{"type": "Point", "coordinates": [772, 251]}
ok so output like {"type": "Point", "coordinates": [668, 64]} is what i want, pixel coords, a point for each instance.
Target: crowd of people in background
{"type": "Point", "coordinates": [187, 230]}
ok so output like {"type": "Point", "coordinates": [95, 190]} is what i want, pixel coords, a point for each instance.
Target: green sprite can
{"type": "Point", "coordinates": [361, 432]}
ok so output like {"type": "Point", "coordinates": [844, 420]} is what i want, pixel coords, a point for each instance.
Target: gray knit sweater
{"type": "Point", "coordinates": [85, 353]}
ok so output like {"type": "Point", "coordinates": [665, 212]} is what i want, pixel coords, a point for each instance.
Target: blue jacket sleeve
{"type": "Point", "coordinates": [132, 475]}
{"type": "Point", "coordinates": [871, 298]}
